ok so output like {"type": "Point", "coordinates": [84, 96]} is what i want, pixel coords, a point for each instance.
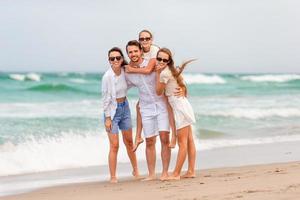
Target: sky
{"type": "Point", "coordinates": [226, 36]}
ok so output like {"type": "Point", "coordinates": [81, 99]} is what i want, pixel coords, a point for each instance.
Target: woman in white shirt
{"type": "Point", "coordinates": [169, 79]}
{"type": "Point", "coordinates": [116, 111]}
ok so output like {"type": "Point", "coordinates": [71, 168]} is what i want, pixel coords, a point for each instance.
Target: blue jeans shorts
{"type": "Point", "coordinates": [122, 118]}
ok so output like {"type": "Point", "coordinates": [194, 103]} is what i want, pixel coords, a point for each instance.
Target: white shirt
{"type": "Point", "coordinates": [146, 85]}
{"type": "Point", "coordinates": [109, 92]}
{"type": "Point", "coordinates": [171, 83]}
{"type": "Point", "coordinates": [151, 53]}
{"type": "Point", "coordinates": [121, 85]}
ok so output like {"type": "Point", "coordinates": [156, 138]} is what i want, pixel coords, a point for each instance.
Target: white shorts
{"type": "Point", "coordinates": [155, 118]}
{"type": "Point", "coordinates": [183, 111]}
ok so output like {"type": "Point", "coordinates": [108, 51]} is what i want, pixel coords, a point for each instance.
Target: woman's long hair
{"type": "Point", "coordinates": [176, 72]}
{"type": "Point", "coordinates": [117, 49]}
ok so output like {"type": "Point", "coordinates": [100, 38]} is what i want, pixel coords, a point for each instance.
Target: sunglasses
{"type": "Point", "coordinates": [162, 59]}
{"type": "Point", "coordinates": [118, 58]}
{"type": "Point", "coordinates": [144, 39]}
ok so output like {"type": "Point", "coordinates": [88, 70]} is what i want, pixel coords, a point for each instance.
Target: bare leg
{"type": "Point", "coordinates": [151, 157]}
{"type": "Point", "coordinates": [182, 152]}
{"type": "Point", "coordinates": [165, 153]}
{"type": "Point", "coordinates": [127, 139]}
{"type": "Point", "coordinates": [112, 156]}
{"type": "Point", "coordinates": [139, 127]}
{"type": "Point", "coordinates": [172, 122]}
{"type": "Point", "coordinates": [191, 156]}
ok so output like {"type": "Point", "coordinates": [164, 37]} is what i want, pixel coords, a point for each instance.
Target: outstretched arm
{"type": "Point", "coordinates": [142, 70]}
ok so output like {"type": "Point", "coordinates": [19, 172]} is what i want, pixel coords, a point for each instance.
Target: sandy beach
{"type": "Point", "coordinates": [271, 181]}
{"type": "Point", "coordinates": [268, 171]}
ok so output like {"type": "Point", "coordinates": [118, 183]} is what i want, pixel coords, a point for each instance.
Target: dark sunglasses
{"type": "Point", "coordinates": [162, 59]}
{"type": "Point", "coordinates": [118, 58]}
{"type": "Point", "coordinates": [144, 39]}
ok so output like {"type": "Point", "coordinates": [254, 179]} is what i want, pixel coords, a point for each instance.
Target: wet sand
{"type": "Point", "coordinates": [259, 182]}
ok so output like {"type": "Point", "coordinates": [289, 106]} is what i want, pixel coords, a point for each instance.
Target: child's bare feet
{"type": "Point", "coordinates": [136, 174]}
{"type": "Point", "coordinates": [173, 142]}
{"type": "Point", "coordinates": [164, 177]}
{"type": "Point", "coordinates": [113, 180]}
{"type": "Point", "coordinates": [189, 175]}
{"type": "Point", "coordinates": [138, 141]}
{"type": "Point", "coordinates": [149, 178]}
{"type": "Point", "coordinates": [173, 178]}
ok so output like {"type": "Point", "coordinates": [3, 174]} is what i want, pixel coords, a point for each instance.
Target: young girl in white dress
{"type": "Point", "coordinates": [169, 78]}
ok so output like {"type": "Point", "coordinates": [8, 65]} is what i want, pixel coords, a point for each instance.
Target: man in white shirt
{"type": "Point", "coordinates": [153, 111]}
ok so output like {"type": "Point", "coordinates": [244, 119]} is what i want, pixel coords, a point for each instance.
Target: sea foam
{"type": "Point", "coordinates": [23, 77]}
{"type": "Point", "coordinates": [271, 78]}
{"type": "Point", "coordinates": [91, 149]}
{"type": "Point", "coordinates": [203, 79]}
{"type": "Point", "coordinates": [221, 143]}
{"type": "Point", "coordinates": [71, 150]}
{"type": "Point", "coordinates": [17, 77]}
{"type": "Point", "coordinates": [257, 113]}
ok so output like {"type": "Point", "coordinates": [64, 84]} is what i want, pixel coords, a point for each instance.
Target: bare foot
{"type": "Point", "coordinates": [173, 178]}
{"type": "Point", "coordinates": [138, 141]}
{"type": "Point", "coordinates": [113, 180]}
{"type": "Point", "coordinates": [149, 178]}
{"type": "Point", "coordinates": [173, 142]}
{"type": "Point", "coordinates": [164, 177]}
{"type": "Point", "coordinates": [136, 174]}
{"type": "Point", "coordinates": [189, 175]}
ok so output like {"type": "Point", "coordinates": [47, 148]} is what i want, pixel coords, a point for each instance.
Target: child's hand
{"type": "Point", "coordinates": [128, 68]}
{"type": "Point", "coordinates": [159, 68]}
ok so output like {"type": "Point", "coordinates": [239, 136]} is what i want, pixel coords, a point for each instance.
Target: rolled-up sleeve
{"type": "Point", "coordinates": [164, 77]}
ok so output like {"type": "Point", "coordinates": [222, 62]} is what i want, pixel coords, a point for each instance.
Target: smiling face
{"type": "Point", "coordinates": [145, 39]}
{"type": "Point", "coordinates": [115, 59]}
{"type": "Point", "coordinates": [134, 53]}
{"type": "Point", "coordinates": [162, 59]}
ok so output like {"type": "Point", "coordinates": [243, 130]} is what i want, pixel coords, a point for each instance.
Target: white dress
{"type": "Point", "coordinates": [182, 109]}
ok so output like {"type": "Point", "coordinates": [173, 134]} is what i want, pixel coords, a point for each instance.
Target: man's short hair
{"type": "Point", "coordinates": [133, 43]}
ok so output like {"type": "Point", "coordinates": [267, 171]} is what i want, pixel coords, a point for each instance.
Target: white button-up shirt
{"type": "Point", "coordinates": [146, 84]}
{"type": "Point", "coordinates": [109, 95]}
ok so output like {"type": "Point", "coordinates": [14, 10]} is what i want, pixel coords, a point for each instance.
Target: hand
{"type": "Point", "coordinates": [127, 68]}
{"type": "Point", "coordinates": [108, 124]}
{"type": "Point", "coordinates": [180, 92]}
{"type": "Point", "coordinates": [159, 68]}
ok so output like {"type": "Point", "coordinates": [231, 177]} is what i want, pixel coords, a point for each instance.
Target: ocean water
{"type": "Point", "coordinates": [51, 121]}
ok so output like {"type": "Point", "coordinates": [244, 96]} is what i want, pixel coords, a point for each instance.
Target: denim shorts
{"type": "Point", "coordinates": [122, 118]}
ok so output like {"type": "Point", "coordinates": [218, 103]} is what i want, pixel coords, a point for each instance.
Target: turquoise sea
{"type": "Point", "coordinates": [51, 121]}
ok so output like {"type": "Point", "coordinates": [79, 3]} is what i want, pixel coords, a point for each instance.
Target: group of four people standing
{"type": "Point", "coordinates": [162, 102]}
